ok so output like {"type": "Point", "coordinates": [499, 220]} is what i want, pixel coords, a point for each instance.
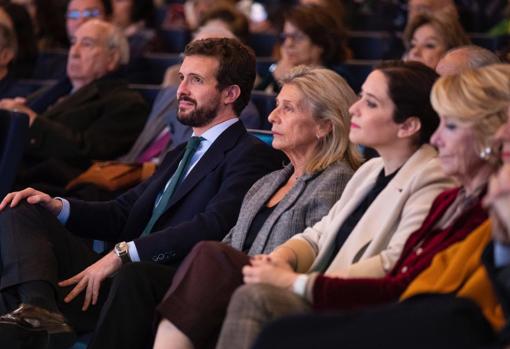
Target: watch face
{"type": "Point", "coordinates": [121, 248]}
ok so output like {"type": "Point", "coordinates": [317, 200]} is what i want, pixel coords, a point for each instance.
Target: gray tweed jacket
{"type": "Point", "coordinates": [305, 204]}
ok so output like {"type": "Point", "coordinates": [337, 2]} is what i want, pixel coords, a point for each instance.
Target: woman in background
{"type": "Point", "coordinates": [428, 37]}
{"type": "Point", "coordinates": [310, 36]}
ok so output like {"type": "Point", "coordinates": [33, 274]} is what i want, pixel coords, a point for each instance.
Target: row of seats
{"type": "Point", "coordinates": [264, 102]}
{"type": "Point", "coordinates": [151, 68]}
{"type": "Point", "coordinates": [364, 44]}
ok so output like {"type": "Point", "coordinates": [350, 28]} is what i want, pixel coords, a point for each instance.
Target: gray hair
{"type": "Point", "coordinates": [115, 39]}
{"type": "Point", "coordinates": [476, 56]}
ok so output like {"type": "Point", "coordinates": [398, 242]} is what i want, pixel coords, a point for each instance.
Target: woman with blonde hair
{"type": "Point", "coordinates": [310, 126]}
{"type": "Point", "coordinates": [427, 37]}
{"type": "Point", "coordinates": [472, 106]}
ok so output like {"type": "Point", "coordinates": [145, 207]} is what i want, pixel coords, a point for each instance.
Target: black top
{"type": "Point", "coordinates": [346, 228]}
{"type": "Point", "coordinates": [257, 223]}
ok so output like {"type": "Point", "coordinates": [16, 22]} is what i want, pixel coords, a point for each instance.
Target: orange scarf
{"type": "Point", "coordinates": [459, 270]}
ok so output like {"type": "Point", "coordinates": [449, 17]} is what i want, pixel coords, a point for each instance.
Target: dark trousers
{"type": "Point", "coordinates": [422, 322]}
{"type": "Point", "coordinates": [34, 246]}
{"type": "Point", "coordinates": [197, 300]}
{"type": "Point", "coordinates": [127, 319]}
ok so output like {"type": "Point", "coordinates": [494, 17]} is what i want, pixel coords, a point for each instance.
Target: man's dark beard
{"type": "Point", "coordinates": [200, 116]}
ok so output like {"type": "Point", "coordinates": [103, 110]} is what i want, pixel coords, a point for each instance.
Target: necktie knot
{"type": "Point", "coordinates": [193, 143]}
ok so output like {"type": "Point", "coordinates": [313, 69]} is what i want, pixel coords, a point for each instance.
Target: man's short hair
{"type": "Point", "coordinates": [236, 65]}
{"type": "Point", "coordinates": [476, 56]}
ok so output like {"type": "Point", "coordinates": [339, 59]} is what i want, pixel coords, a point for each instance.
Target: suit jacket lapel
{"type": "Point", "coordinates": [257, 201]}
{"type": "Point", "coordinates": [287, 202]}
{"type": "Point", "coordinates": [71, 101]}
{"type": "Point", "coordinates": [158, 184]}
{"type": "Point", "coordinates": [209, 161]}
{"type": "Point", "coordinates": [358, 240]}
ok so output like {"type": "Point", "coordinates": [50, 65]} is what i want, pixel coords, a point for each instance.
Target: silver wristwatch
{"type": "Point", "coordinates": [122, 250]}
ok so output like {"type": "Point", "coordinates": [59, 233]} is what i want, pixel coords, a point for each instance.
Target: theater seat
{"type": "Point", "coordinates": [148, 92]}
{"type": "Point", "coordinates": [51, 64]}
{"type": "Point", "coordinates": [262, 44]}
{"type": "Point", "coordinates": [375, 45]}
{"type": "Point", "coordinates": [265, 103]}
{"type": "Point", "coordinates": [13, 136]}
{"type": "Point", "coordinates": [151, 67]}
{"type": "Point", "coordinates": [264, 135]}
{"type": "Point", "coordinates": [174, 41]}
{"type": "Point", "coordinates": [485, 40]}
{"type": "Point", "coordinates": [357, 71]}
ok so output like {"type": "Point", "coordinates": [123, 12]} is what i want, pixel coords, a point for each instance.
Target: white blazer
{"type": "Point", "coordinates": [376, 242]}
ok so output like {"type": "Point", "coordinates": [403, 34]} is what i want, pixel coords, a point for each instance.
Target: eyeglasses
{"type": "Point", "coordinates": [87, 13]}
{"type": "Point", "coordinates": [296, 37]}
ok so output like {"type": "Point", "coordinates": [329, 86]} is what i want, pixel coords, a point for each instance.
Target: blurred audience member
{"type": "Point", "coordinates": [48, 19]}
{"type": "Point", "coordinates": [228, 17]}
{"type": "Point", "coordinates": [465, 57]}
{"type": "Point", "coordinates": [99, 119]}
{"type": "Point", "coordinates": [257, 14]}
{"type": "Point", "coordinates": [417, 7]}
{"type": "Point", "coordinates": [195, 10]}
{"type": "Point", "coordinates": [222, 21]}
{"type": "Point", "coordinates": [334, 7]}
{"type": "Point", "coordinates": [427, 37]}
{"type": "Point", "coordinates": [310, 36]}
{"type": "Point", "coordinates": [80, 11]}
{"type": "Point", "coordinates": [135, 18]}
{"type": "Point", "coordinates": [17, 18]}
{"type": "Point", "coordinates": [8, 84]}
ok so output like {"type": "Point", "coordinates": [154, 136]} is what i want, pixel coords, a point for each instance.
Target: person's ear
{"type": "Point", "coordinates": [410, 127]}
{"type": "Point", "coordinates": [323, 129]}
{"type": "Point", "coordinates": [114, 62]}
{"type": "Point", "coordinates": [231, 94]}
{"type": "Point", "coordinates": [6, 56]}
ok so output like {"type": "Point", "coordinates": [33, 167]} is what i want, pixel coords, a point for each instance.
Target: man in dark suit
{"type": "Point", "coordinates": [99, 119]}
{"type": "Point", "coordinates": [38, 240]}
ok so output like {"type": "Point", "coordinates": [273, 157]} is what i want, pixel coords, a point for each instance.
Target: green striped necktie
{"type": "Point", "coordinates": [160, 208]}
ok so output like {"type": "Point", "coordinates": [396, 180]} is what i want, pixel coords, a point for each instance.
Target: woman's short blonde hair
{"type": "Point", "coordinates": [478, 97]}
{"type": "Point", "coordinates": [329, 97]}
{"type": "Point", "coordinates": [448, 28]}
